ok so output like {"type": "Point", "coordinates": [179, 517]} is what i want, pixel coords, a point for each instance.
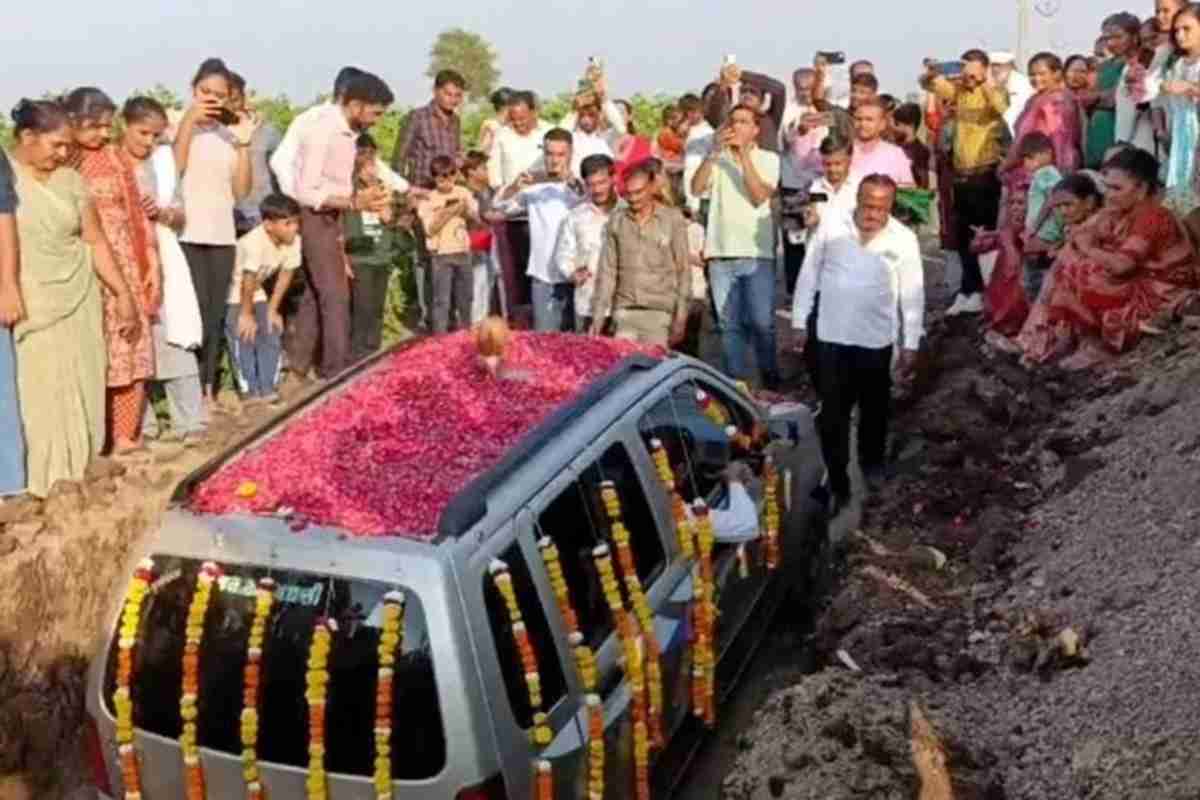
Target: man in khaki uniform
{"type": "Point", "coordinates": [644, 276]}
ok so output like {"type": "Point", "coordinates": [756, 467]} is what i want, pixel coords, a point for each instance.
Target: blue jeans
{"type": "Point", "coordinates": [743, 292]}
{"type": "Point", "coordinates": [12, 434]}
{"type": "Point", "coordinates": [553, 306]}
{"type": "Point", "coordinates": [255, 364]}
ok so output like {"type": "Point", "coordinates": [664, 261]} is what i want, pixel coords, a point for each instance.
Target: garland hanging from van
{"type": "Point", "coordinates": [193, 771]}
{"type": "Point", "coordinates": [264, 600]}
{"type": "Point", "coordinates": [131, 617]}
{"type": "Point", "coordinates": [704, 615]}
{"type": "Point", "coordinates": [541, 736]}
{"type": "Point", "coordinates": [712, 409]}
{"type": "Point", "coordinates": [316, 692]}
{"type": "Point", "coordinates": [631, 647]}
{"type": "Point", "coordinates": [641, 609]}
{"type": "Point", "coordinates": [771, 512]}
{"type": "Point", "coordinates": [585, 665]}
{"type": "Point", "coordinates": [391, 642]}
{"type": "Point", "coordinates": [683, 525]}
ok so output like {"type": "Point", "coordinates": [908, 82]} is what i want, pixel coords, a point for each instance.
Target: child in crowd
{"type": "Point", "coordinates": [906, 126]}
{"type": "Point", "coordinates": [372, 244]}
{"type": "Point", "coordinates": [670, 143]}
{"type": "Point", "coordinates": [1043, 232]}
{"type": "Point", "coordinates": [444, 215]}
{"type": "Point", "coordinates": [483, 270]}
{"type": "Point", "coordinates": [253, 323]}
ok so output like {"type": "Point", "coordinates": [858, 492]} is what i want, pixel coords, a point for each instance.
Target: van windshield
{"type": "Point", "coordinates": [418, 745]}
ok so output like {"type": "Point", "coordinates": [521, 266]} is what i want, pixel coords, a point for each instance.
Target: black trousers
{"type": "Point", "coordinates": [211, 267]}
{"type": "Point", "coordinates": [853, 376]}
{"type": "Point", "coordinates": [368, 295]}
{"type": "Point", "coordinates": [976, 203]}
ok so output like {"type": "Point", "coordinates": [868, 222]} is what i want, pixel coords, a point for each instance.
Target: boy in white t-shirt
{"type": "Point", "coordinates": [253, 324]}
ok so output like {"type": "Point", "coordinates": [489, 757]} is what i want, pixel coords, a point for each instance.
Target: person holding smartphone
{"type": "Point", "coordinates": [741, 178]}
{"type": "Point", "coordinates": [212, 154]}
{"type": "Point", "coordinates": [979, 132]}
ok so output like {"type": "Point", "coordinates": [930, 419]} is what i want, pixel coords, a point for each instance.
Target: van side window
{"type": "Point", "coordinates": [576, 522]}
{"type": "Point", "coordinates": [696, 446]}
{"type": "Point", "coordinates": [554, 684]}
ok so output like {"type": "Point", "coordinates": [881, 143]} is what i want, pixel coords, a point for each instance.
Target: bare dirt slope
{"type": "Point", "coordinates": [1029, 578]}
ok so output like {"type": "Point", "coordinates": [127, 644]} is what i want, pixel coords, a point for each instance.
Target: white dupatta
{"type": "Point", "coordinates": [180, 312]}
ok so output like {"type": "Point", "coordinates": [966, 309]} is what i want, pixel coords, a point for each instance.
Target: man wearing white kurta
{"type": "Point", "coordinates": [867, 268]}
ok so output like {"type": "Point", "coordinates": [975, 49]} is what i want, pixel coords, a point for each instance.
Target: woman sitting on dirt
{"type": "Point", "coordinates": [1124, 273]}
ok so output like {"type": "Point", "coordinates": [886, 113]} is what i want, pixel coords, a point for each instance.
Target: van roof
{"type": "Point", "coordinates": [410, 445]}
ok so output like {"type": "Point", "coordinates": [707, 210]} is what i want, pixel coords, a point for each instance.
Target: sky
{"type": "Point", "coordinates": [651, 46]}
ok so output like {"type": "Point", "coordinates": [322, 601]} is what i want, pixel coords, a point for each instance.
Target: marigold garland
{"type": "Point", "coordinates": [391, 641]}
{"type": "Point", "coordinates": [131, 617]}
{"type": "Point", "coordinates": [683, 526]}
{"type": "Point", "coordinates": [189, 698]}
{"type": "Point", "coordinates": [595, 707]}
{"type": "Point", "coordinates": [543, 777]}
{"type": "Point", "coordinates": [771, 512]}
{"type": "Point", "coordinates": [739, 439]}
{"type": "Point", "coordinates": [264, 600]}
{"type": "Point", "coordinates": [712, 409]}
{"type": "Point", "coordinates": [316, 692]}
{"type": "Point", "coordinates": [631, 647]}
{"type": "Point", "coordinates": [704, 613]}
{"type": "Point", "coordinates": [502, 579]}
{"type": "Point", "coordinates": [641, 609]}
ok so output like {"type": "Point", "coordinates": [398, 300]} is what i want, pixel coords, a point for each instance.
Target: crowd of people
{"type": "Point", "coordinates": [139, 244]}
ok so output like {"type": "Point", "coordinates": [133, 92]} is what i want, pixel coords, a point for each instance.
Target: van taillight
{"type": "Point", "coordinates": [491, 789]}
{"type": "Point", "coordinates": [95, 756]}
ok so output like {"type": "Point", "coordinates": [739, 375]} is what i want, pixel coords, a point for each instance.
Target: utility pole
{"type": "Point", "coordinates": [1022, 30]}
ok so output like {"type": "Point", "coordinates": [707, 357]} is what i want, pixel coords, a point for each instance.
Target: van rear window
{"type": "Point", "coordinates": [418, 743]}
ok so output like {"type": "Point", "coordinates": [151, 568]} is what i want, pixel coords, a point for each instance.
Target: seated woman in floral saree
{"type": "Point", "coordinates": [1121, 275]}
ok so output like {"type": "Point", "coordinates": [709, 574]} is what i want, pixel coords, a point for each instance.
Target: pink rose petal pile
{"type": "Point", "coordinates": [386, 455]}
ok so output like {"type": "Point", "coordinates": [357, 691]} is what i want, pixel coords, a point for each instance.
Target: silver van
{"type": "Point", "coordinates": [462, 713]}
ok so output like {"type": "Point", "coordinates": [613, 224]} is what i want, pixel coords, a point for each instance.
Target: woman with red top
{"type": "Point", "coordinates": [111, 180]}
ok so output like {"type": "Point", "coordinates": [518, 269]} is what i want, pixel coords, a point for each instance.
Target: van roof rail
{"type": "Point", "coordinates": [469, 505]}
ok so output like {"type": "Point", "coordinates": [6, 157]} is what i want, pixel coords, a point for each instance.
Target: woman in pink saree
{"type": "Point", "coordinates": [1054, 111]}
{"type": "Point", "coordinates": [1123, 274]}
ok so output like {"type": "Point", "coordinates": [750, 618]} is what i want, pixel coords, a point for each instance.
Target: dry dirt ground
{"type": "Point", "coordinates": [1028, 579]}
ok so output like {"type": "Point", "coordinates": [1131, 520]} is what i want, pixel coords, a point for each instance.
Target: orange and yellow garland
{"type": "Point", "coordinates": [712, 409]}
{"type": "Point", "coordinates": [585, 665]}
{"type": "Point", "coordinates": [771, 512]}
{"type": "Point", "coordinates": [704, 614]}
{"type": "Point", "coordinates": [391, 640]}
{"type": "Point", "coordinates": [194, 635]}
{"type": "Point", "coordinates": [631, 646]}
{"type": "Point", "coordinates": [683, 525]}
{"type": "Point", "coordinates": [541, 735]}
{"type": "Point", "coordinates": [316, 681]}
{"type": "Point", "coordinates": [264, 600]}
{"type": "Point", "coordinates": [641, 609]}
{"type": "Point", "coordinates": [131, 617]}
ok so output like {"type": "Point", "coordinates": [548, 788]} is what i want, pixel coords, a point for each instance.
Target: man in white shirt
{"type": "Point", "coordinates": [865, 265]}
{"type": "Point", "coordinates": [582, 235]}
{"type": "Point", "coordinates": [547, 198]}
{"type": "Point", "coordinates": [742, 178]}
{"type": "Point", "coordinates": [799, 142]}
{"type": "Point", "coordinates": [516, 148]}
{"type": "Point", "coordinates": [1005, 73]}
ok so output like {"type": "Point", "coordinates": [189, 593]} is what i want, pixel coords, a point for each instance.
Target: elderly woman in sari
{"type": "Point", "coordinates": [1123, 273]}
{"type": "Point", "coordinates": [108, 172]}
{"type": "Point", "coordinates": [61, 353]}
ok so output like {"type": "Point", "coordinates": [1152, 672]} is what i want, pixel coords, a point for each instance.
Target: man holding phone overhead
{"type": "Point", "coordinates": [742, 178]}
{"type": "Point", "coordinates": [761, 93]}
{"type": "Point", "coordinates": [980, 105]}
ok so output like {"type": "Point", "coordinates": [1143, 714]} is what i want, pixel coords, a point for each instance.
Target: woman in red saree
{"type": "Point", "coordinates": [1054, 111]}
{"type": "Point", "coordinates": [112, 183]}
{"type": "Point", "coordinates": [1004, 300]}
{"type": "Point", "coordinates": [1122, 274]}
